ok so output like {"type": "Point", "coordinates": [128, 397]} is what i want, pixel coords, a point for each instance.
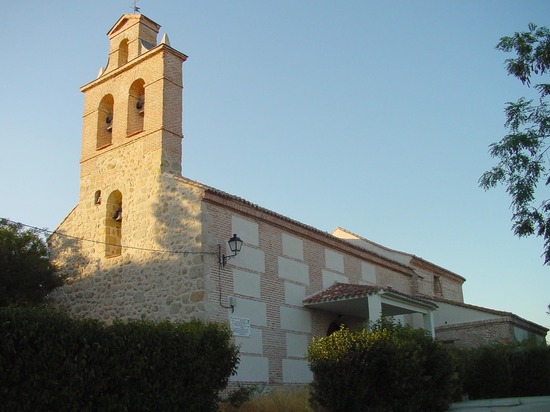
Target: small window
{"type": "Point", "coordinates": [97, 197]}
{"type": "Point", "coordinates": [438, 290]}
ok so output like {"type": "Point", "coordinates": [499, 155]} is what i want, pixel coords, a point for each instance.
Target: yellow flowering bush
{"type": "Point", "coordinates": [387, 367]}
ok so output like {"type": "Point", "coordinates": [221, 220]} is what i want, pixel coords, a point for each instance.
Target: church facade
{"type": "Point", "coordinates": [145, 242]}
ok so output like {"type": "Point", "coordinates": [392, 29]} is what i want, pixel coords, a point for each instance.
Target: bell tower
{"type": "Point", "coordinates": [133, 204]}
{"type": "Point", "coordinates": [131, 133]}
{"type": "Point", "coordinates": [133, 110]}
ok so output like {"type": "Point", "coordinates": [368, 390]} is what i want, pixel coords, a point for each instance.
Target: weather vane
{"type": "Point", "coordinates": [136, 8]}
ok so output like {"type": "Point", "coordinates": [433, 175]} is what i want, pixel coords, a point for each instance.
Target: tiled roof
{"type": "Point", "coordinates": [209, 189]}
{"type": "Point", "coordinates": [410, 255]}
{"type": "Point", "coordinates": [483, 309]}
{"type": "Point", "coordinates": [340, 291]}
{"type": "Point", "coordinates": [344, 291]}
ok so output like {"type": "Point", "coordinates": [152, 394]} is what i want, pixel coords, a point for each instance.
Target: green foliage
{"type": "Point", "coordinates": [522, 153]}
{"type": "Point", "coordinates": [387, 368]}
{"type": "Point", "coordinates": [60, 364]}
{"type": "Point", "coordinates": [501, 371]}
{"type": "Point", "coordinates": [26, 273]}
{"type": "Point", "coordinates": [287, 399]}
{"type": "Point", "coordinates": [241, 394]}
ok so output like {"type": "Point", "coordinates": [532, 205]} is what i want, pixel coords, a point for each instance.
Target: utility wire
{"type": "Point", "coordinates": [51, 233]}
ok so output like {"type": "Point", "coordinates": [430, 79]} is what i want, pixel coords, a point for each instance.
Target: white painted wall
{"type": "Point", "coordinates": [368, 273]}
{"type": "Point", "coordinates": [250, 258]}
{"type": "Point", "coordinates": [252, 343]}
{"type": "Point", "coordinates": [246, 230]}
{"type": "Point", "coordinates": [329, 278]}
{"type": "Point", "coordinates": [296, 371]}
{"type": "Point", "coordinates": [293, 247]}
{"type": "Point", "coordinates": [296, 345]}
{"type": "Point", "coordinates": [292, 270]}
{"type": "Point", "coordinates": [246, 283]}
{"type": "Point", "coordinates": [450, 314]}
{"type": "Point", "coordinates": [294, 294]}
{"type": "Point", "coordinates": [295, 319]}
{"type": "Point", "coordinates": [400, 257]}
{"type": "Point", "coordinates": [252, 369]}
{"type": "Point", "coordinates": [334, 260]}
{"type": "Point", "coordinates": [250, 309]}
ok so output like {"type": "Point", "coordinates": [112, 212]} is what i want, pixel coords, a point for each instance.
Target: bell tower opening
{"type": "Point", "coordinates": [105, 122]}
{"type": "Point", "coordinates": [136, 107]}
{"type": "Point", "coordinates": [123, 52]}
{"type": "Point", "coordinates": [113, 225]}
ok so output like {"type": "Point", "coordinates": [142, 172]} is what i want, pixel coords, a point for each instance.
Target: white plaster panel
{"type": "Point", "coordinates": [246, 230]}
{"type": "Point", "coordinates": [245, 283]}
{"type": "Point", "coordinates": [293, 247]}
{"type": "Point", "coordinates": [296, 371]}
{"type": "Point", "coordinates": [295, 319]}
{"type": "Point", "coordinates": [252, 369]}
{"type": "Point", "coordinates": [294, 294]}
{"type": "Point", "coordinates": [296, 345]}
{"type": "Point", "coordinates": [329, 278]}
{"type": "Point", "coordinates": [252, 343]}
{"type": "Point", "coordinates": [451, 314]}
{"type": "Point", "coordinates": [250, 309]}
{"type": "Point", "coordinates": [368, 272]}
{"type": "Point", "coordinates": [250, 258]}
{"type": "Point", "coordinates": [292, 270]}
{"type": "Point", "coordinates": [334, 261]}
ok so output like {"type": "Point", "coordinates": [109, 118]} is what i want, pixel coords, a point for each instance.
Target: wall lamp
{"type": "Point", "coordinates": [235, 245]}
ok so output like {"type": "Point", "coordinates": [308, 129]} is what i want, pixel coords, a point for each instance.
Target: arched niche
{"type": "Point", "coordinates": [136, 107]}
{"type": "Point", "coordinates": [113, 225]}
{"type": "Point", "coordinates": [123, 52]}
{"type": "Point", "coordinates": [105, 122]}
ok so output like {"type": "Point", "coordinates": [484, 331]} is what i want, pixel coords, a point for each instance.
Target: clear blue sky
{"type": "Point", "coordinates": [371, 115]}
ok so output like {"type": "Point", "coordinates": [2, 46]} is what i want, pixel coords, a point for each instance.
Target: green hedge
{"type": "Point", "coordinates": [386, 368]}
{"type": "Point", "coordinates": [502, 371]}
{"type": "Point", "coordinates": [51, 362]}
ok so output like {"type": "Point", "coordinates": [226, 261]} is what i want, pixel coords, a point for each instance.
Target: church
{"type": "Point", "coordinates": [146, 242]}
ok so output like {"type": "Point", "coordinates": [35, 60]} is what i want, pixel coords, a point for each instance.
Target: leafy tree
{"type": "Point", "coordinates": [522, 153]}
{"type": "Point", "coordinates": [26, 273]}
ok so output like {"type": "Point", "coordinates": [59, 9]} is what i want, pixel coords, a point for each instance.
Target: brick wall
{"type": "Point", "coordinates": [281, 263]}
{"type": "Point", "coordinates": [474, 334]}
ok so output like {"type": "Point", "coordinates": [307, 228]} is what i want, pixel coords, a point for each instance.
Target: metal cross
{"type": "Point", "coordinates": [136, 8]}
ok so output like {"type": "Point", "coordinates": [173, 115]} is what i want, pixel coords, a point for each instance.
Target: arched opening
{"type": "Point", "coordinates": [123, 52]}
{"type": "Point", "coordinates": [136, 107]}
{"type": "Point", "coordinates": [97, 197]}
{"type": "Point", "coordinates": [113, 225]}
{"type": "Point", "coordinates": [105, 122]}
{"type": "Point", "coordinates": [333, 327]}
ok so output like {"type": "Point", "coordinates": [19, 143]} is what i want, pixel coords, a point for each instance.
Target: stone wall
{"type": "Point", "coordinates": [154, 276]}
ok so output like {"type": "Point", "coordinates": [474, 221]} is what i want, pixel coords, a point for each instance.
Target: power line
{"type": "Point", "coordinates": [52, 233]}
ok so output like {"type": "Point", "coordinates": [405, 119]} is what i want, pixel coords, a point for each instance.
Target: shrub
{"type": "Point", "coordinates": [26, 273]}
{"type": "Point", "coordinates": [501, 371]}
{"type": "Point", "coordinates": [240, 395]}
{"type": "Point", "coordinates": [54, 363]}
{"type": "Point", "coordinates": [389, 367]}
{"type": "Point", "coordinates": [295, 399]}
{"type": "Point", "coordinates": [530, 371]}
